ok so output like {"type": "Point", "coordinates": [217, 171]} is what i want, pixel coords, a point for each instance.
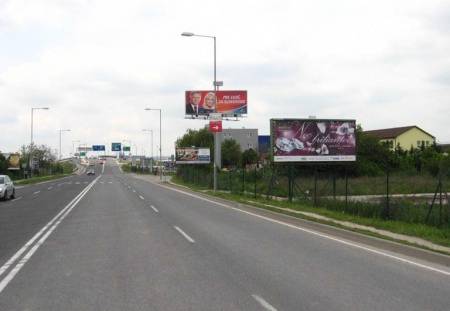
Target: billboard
{"type": "Point", "coordinates": [313, 140]}
{"type": "Point", "coordinates": [192, 155]}
{"type": "Point", "coordinates": [116, 147]}
{"type": "Point", "coordinates": [14, 161]}
{"type": "Point", "coordinates": [228, 103]}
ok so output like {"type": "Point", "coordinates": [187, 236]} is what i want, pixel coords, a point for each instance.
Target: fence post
{"type": "Point", "coordinates": [243, 180]}
{"type": "Point", "coordinates": [315, 186]}
{"type": "Point", "coordinates": [256, 178]}
{"type": "Point", "coordinates": [346, 188]}
{"type": "Point", "coordinates": [387, 194]}
{"type": "Point", "coordinates": [229, 181]}
{"type": "Point", "coordinates": [334, 184]}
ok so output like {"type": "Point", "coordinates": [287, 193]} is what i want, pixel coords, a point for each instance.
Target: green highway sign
{"type": "Point", "coordinates": [82, 154]}
{"type": "Point", "coordinates": [126, 148]}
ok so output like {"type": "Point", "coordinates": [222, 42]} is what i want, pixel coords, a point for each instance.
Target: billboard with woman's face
{"type": "Point", "coordinates": [228, 103]}
{"type": "Point", "coordinates": [311, 140]}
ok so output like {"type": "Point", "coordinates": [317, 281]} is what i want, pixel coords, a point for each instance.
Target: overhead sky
{"type": "Point", "coordinates": [98, 63]}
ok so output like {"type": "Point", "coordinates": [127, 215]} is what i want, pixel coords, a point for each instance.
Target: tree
{"type": "Point", "coordinates": [249, 156]}
{"type": "Point", "coordinates": [231, 153]}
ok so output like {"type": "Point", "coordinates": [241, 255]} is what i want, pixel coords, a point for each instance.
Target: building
{"type": "Point", "coordinates": [406, 137]}
{"type": "Point", "coordinates": [263, 145]}
{"type": "Point", "coordinates": [246, 138]}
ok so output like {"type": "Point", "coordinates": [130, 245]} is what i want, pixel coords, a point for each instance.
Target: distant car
{"type": "Point", "coordinates": [7, 189]}
{"type": "Point", "coordinates": [90, 172]}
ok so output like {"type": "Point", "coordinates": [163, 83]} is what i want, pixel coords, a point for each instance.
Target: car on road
{"type": "Point", "coordinates": [90, 172]}
{"type": "Point", "coordinates": [7, 189]}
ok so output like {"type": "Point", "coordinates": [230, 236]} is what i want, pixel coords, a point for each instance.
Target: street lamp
{"type": "Point", "coordinates": [31, 143]}
{"type": "Point", "coordinates": [160, 140]}
{"type": "Point", "coordinates": [73, 146]}
{"type": "Point", "coordinates": [151, 132]}
{"type": "Point", "coordinates": [217, 146]}
{"type": "Point", "coordinates": [60, 132]}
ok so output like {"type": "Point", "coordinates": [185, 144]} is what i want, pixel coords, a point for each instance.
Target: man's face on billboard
{"type": "Point", "coordinates": [196, 98]}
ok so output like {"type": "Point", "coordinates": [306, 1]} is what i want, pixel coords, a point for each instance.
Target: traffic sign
{"type": "Point", "coordinates": [82, 154]}
{"type": "Point", "coordinates": [98, 148]}
{"type": "Point", "coordinates": [116, 147]}
{"type": "Point", "coordinates": [215, 126]}
{"type": "Point", "coordinates": [126, 148]}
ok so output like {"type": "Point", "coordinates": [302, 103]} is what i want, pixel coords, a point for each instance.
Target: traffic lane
{"type": "Point", "coordinates": [114, 253]}
{"type": "Point", "coordinates": [21, 219]}
{"type": "Point", "coordinates": [294, 268]}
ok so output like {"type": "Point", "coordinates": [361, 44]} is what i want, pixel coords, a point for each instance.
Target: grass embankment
{"type": "Point", "coordinates": [38, 179]}
{"type": "Point", "coordinates": [437, 235]}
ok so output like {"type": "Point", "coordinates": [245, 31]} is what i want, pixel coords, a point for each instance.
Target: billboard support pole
{"type": "Point", "coordinates": [315, 186]}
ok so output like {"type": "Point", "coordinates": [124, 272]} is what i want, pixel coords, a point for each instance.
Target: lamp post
{"type": "Point", "coordinates": [160, 140]}
{"type": "Point", "coordinates": [151, 132]}
{"type": "Point", "coordinates": [31, 141]}
{"type": "Point", "coordinates": [60, 134]}
{"type": "Point", "coordinates": [73, 146]}
{"type": "Point", "coordinates": [217, 146]}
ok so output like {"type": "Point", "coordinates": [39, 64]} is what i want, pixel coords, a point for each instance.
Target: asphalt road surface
{"type": "Point", "coordinates": [113, 242]}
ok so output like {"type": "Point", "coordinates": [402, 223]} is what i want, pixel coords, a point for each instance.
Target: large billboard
{"type": "Point", "coordinates": [228, 103]}
{"type": "Point", "coordinates": [14, 162]}
{"type": "Point", "coordinates": [192, 155]}
{"type": "Point", "coordinates": [313, 140]}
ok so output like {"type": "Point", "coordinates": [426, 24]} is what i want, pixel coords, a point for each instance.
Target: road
{"type": "Point", "coordinates": [113, 242]}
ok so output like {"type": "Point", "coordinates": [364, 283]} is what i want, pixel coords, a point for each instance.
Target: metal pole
{"type": "Point", "coordinates": [216, 138]}
{"type": "Point", "coordinates": [160, 147]}
{"type": "Point", "coordinates": [31, 144]}
{"type": "Point", "coordinates": [60, 144]}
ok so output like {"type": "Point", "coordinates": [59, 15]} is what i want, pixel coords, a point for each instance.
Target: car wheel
{"type": "Point", "coordinates": [13, 195]}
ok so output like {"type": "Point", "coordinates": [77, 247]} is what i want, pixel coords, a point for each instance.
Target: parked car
{"type": "Point", "coordinates": [7, 189]}
{"type": "Point", "coordinates": [90, 172]}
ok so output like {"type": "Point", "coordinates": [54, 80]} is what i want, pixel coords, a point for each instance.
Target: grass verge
{"type": "Point", "coordinates": [38, 179]}
{"type": "Point", "coordinates": [440, 236]}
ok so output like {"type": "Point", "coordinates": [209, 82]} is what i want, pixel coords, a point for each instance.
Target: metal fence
{"type": "Point", "coordinates": [404, 196]}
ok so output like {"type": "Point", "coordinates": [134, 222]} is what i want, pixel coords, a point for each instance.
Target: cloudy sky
{"type": "Point", "coordinates": [98, 63]}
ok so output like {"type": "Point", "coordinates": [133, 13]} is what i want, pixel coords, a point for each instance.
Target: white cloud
{"type": "Point", "coordinates": [99, 63]}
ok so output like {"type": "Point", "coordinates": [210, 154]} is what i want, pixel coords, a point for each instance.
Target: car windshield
{"type": "Point", "coordinates": [2, 180]}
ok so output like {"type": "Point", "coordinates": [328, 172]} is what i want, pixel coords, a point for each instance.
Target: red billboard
{"type": "Point", "coordinates": [312, 140]}
{"type": "Point", "coordinates": [228, 103]}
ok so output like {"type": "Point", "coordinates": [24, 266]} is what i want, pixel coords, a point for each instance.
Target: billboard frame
{"type": "Point", "coordinates": [224, 116]}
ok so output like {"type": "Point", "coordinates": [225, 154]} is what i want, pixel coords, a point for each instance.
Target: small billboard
{"type": "Point", "coordinates": [14, 162]}
{"type": "Point", "coordinates": [227, 103]}
{"type": "Point", "coordinates": [192, 155]}
{"type": "Point", "coordinates": [313, 140]}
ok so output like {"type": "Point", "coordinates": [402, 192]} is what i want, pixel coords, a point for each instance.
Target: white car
{"type": "Point", "coordinates": [7, 189]}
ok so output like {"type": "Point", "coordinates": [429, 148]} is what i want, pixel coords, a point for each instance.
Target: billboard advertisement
{"type": "Point", "coordinates": [192, 155]}
{"type": "Point", "coordinates": [313, 140]}
{"type": "Point", "coordinates": [228, 103]}
{"type": "Point", "coordinates": [14, 161]}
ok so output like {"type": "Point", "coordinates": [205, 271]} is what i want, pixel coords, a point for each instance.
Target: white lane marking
{"type": "Point", "coordinates": [85, 182]}
{"type": "Point", "coordinates": [16, 199]}
{"type": "Point", "coordinates": [49, 188]}
{"type": "Point", "coordinates": [27, 256]}
{"type": "Point", "coordinates": [141, 197]}
{"type": "Point", "coordinates": [69, 182]}
{"type": "Point", "coordinates": [187, 237]}
{"type": "Point", "coordinates": [134, 191]}
{"type": "Point", "coordinates": [59, 185]}
{"type": "Point", "coordinates": [103, 168]}
{"type": "Point", "coordinates": [154, 208]}
{"type": "Point", "coordinates": [264, 303]}
{"type": "Point", "coordinates": [370, 250]}
{"type": "Point", "coordinates": [102, 182]}
{"type": "Point", "coordinates": [37, 235]}
{"type": "Point", "coordinates": [77, 183]}
{"type": "Point", "coordinates": [36, 192]}
{"type": "Point", "coordinates": [109, 182]}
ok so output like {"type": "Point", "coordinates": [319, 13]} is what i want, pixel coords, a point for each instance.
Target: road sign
{"type": "Point", "coordinates": [116, 147]}
{"type": "Point", "coordinates": [215, 116]}
{"type": "Point", "coordinates": [126, 148]}
{"type": "Point", "coordinates": [82, 154]}
{"type": "Point", "coordinates": [98, 148]}
{"type": "Point", "coordinates": [215, 126]}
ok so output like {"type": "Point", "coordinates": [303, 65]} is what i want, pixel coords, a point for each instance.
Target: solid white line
{"type": "Point", "coordinates": [141, 197]}
{"type": "Point", "coordinates": [154, 208]}
{"type": "Point", "coordinates": [16, 199]}
{"type": "Point", "coordinates": [187, 237]}
{"type": "Point", "coordinates": [36, 192]}
{"type": "Point", "coordinates": [24, 260]}
{"type": "Point", "coordinates": [264, 303]}
{"type": "Point", "coordinates": [370, 250]}
{"type": "Point", "coordinates": [37, 235]}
